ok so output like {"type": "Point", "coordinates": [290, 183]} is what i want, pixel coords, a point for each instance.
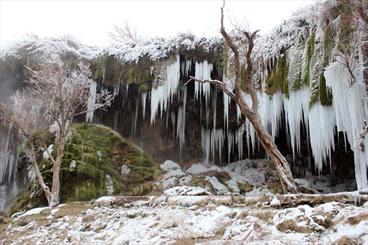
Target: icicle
{"type": "Point", "coordinates": [238, 113]}
{"type": "Point", "coordinates": [212, 142]}
{"type": "Point", "coordinates": [321, 128]}
{"type": "Point", "coordinates": [230, 145]}
{"type": "Point", "coordinates": [144, 101]}
{"type": "Point", "coordinates": [181, 120]}
{"type": "Point", "coordinates": [239, 142]}
{"type": "Point", "coordinates": [205, 142]}
{"type": "Point", "coordinates": [296, 111]}
{"type": "Point", "coordinates": [226, 99]}
{"type": "Point", "coordinates": [91, 102]}
{"type": "Point", "coordinates": [203, 71]}
{"type": "Point", "coordinates": [135, 121]}
{"type": "Point", "coordinates": [270, 109]}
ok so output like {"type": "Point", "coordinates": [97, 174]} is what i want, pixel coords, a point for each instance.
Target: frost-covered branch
{"type": "Point", "coordinates": [125, 34]}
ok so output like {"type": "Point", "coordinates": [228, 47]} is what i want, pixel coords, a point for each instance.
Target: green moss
{"type": "Point", "coordinates": [325, 93]}
{"type": "Point", "coordinates": [278, 79]}
{"type": "Point", "coordinates": [328, 44]}
{"type": "Point", "coordinates": [314, 98]}
{"type": "Point", "coordinates": [297, 84]}
{"type": "Point", "coordinates": [111, 71]}
{"type": "Point", "coordinates": [310, 51]}
{"type": "Point", "coordinates": [321, 93]}
{"type": "Point", "coordinates": [224, 59]}
{"type": "Point", "coordinates": [346, 12]}
{"type": "Point", "coordinates": [98, 151]}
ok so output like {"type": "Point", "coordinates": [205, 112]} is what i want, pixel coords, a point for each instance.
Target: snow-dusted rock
{"type": "Point", "coordinates": [217, 185]}
{"type": "Point", "coordinates": [197, 168]}
{"type": "Point", "coordinates": [185, 180]}
{"type": "Point", "coordinates": [170, 182]}
{"type": "Point", "coordinates": [169, 165]}
{"type": "Point", "coordinates": [174, 173]}
{"type": "Point", "coordinates": [233, 185]}
{"type": "Point", "coordinates": [186, 191]}
{"type": "Point", "coordinates": [297, 219]}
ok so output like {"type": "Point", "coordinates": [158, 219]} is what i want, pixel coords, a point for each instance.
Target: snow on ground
{"type": "Point", "coordinates": [159, 222]}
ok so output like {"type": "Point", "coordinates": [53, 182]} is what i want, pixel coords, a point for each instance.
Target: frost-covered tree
{"type": "Point", "coordinates": [243, 84]}
{"type": "Point", "coordinates": [50, 100]}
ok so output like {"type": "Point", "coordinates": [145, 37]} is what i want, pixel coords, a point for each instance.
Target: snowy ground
{"type": "Point", "coordinates": [186, 220]}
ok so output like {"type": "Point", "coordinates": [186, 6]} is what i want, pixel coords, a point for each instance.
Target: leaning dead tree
{"type": "Point", "coordinates": [51, 99]}
{"type": "Point", "coordinates": [244, 84]}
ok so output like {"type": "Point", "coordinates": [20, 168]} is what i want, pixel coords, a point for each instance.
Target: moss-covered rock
{"type": "Point", "coordinates": [278, 79]}
{"type": "Point", "coordinates": [92, 164]}
{"type": "Point", "coordinates": [310, 51]}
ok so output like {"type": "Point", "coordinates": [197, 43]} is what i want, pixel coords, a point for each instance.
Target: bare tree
{"type": "Point", "coordinates": [251, 112]}
{"type": "Point", "coordinates": [51, 99]}
{"type": "Point", "coordinates": [124, 34]}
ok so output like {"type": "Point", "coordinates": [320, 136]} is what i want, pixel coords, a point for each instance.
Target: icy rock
{"type": "Point", "coordinates": [186, 191]}
{"type": "Point", "coordinates": [169, 165]}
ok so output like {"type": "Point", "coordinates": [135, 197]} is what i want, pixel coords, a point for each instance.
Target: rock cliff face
{"type": "Point", "coordinates": [311, 77]}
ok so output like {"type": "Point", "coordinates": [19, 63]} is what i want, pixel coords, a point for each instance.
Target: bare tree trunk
{"type": "Point", "coordinates": [281, 164]}
{"type": "Point", "coordinates": [251, 112]}
{"type": "Point", "coordinates": [55, 190]}
{"type": "Point", "coordinates": [39, 177]}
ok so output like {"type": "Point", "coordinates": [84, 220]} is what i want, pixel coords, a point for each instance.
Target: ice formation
{"type": "Point", "coordinates": [162, 94]}
{"type": "Point", "coordinates": [91, 102]}
{"type": "Point", "coordinates": [203, 72]}
{"type": "Point", "coordinates": [322, 132]}
{"type": "Point", "coordinates": [296, 112]}
{"type": "Point", "coordinates": [350, 112]}
{"type": "Point", "coordinates": [8, 164]}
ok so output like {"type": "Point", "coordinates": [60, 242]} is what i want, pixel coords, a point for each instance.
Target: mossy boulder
{"type": "Point", "coordinates": [93, 164]}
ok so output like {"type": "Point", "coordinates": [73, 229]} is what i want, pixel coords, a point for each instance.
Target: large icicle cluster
{"type": "Point", "coordinates": [162, 94]}
{"type": "Point", "coordinates": [350, 112]}
{"type": "Point", "coordinates": [8, 165]}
